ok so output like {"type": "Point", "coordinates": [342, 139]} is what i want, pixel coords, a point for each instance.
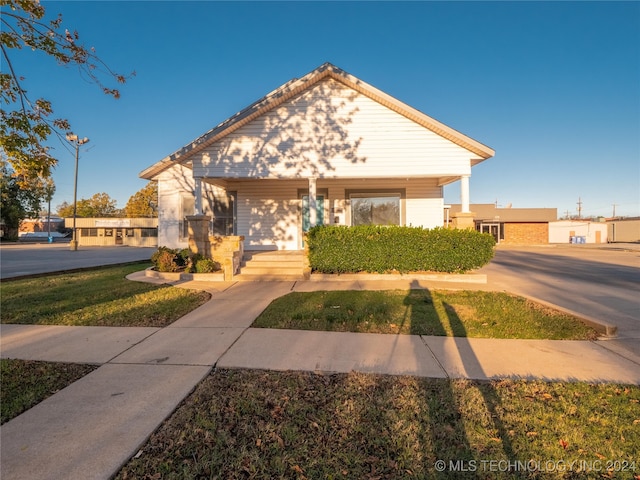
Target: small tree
{"type": "Point", "coordinates": [26, 123]}
{"type": "Point", "coordinates": [17, 203]}
{"type": "Point", "coordinates": [144, 202]}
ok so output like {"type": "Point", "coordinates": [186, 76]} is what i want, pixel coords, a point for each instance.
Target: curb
{"type": "Point", "coordinates": [607, 329]}
{"type": "Point", "coordinates": [478, 278]}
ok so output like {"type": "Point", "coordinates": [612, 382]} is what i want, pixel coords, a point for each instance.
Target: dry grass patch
{"type": "Point", "coordinates": [25, 383]}
{"type": "Point", "coordinates": [256, 424]}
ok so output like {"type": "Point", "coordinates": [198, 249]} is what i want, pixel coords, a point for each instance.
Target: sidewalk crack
{"type": "Point", "coordinates": [433, 355]}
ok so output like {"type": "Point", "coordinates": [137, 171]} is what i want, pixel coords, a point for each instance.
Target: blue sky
{"type": "Point", "coordinates": [553, 88]}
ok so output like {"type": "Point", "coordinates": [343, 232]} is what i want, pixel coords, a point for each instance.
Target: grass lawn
{"type": "Point", "coordinates": [25, 383]}
{"type": "Point", "coordinates": [423, 312]}
{"type": "Point", "coordinates": [97, 297]}
{"type": "Point", "coordinates": [242, 424]}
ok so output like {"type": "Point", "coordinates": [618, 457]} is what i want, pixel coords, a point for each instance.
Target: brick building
{"type": "Point", "coordinates": [511, 226]}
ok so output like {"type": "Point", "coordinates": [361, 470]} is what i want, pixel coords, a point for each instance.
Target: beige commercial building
{"type": "Point", "coordinates": [624, 230]}
{"type": "Point", "coordinates": [134, 232]}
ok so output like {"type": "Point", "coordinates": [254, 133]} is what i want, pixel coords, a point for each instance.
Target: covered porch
{"type": "Point", "coordinates": [274, 214]}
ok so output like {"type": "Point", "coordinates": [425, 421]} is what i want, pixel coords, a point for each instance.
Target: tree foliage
{"type": "Point", "coordinates": [17, 203]}
{"type": "Point", "coordinates": [99, 205]}
{"type": "Point", "coordinates": [25, 123]}
{"type": "Point", "coordinates": [143, 203]}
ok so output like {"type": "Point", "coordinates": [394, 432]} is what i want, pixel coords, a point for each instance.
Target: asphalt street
{"type": "Point", "coordinates": [23, 259]}
{"type": "Point", "coordinates": [598, 282]}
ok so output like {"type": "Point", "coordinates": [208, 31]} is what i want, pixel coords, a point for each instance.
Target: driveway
{"type": "Point", "coordinates": [601, 282]}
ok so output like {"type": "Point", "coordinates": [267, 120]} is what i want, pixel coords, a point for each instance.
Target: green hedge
{"type": "Point", "coordinates": [373, 248]}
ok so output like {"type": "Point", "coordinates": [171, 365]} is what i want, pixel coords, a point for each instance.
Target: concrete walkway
{"type": "Point", "coordinates": [91, 428]}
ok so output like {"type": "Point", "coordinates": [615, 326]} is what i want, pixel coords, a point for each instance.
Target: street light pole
{"type": "Point", "coordinates": [77, 142]}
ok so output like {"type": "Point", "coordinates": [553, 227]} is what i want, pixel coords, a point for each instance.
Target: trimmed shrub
{"type": "Point", "coordinates": [382, 249]}
{"type": "Point", "coordinates": [175, 260]}
{"type": "Point", "coordinates": [165, 260]}
{"type": "Point", "coordinates": [204, 265]}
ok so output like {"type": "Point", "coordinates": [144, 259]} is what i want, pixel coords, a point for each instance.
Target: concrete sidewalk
{"type": "Point", "coordinates": [91, 428]}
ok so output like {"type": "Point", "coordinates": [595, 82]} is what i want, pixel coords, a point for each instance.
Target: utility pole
{"type": "Point", "coordinates": [579, 207]}
{"type": "Point", "coordinates": [566, 214]}
{"type": "Point", "coordinates": [614, 209]}
{"type": "Point", "coordinates": [77, 142]}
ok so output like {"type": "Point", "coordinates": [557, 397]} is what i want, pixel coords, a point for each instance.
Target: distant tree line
{"type": "Point", "coordinates": [19, 203]}
{"type": "Point", "coordinates": [141, 204]}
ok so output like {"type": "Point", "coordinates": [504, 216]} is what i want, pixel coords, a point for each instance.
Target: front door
{"type": "Point", "coordinates": [118, 236]}
{"type": "Point", "coordinates": [306, 224]}
{"type": "Point", "coordinates": [305, 212]}
{"type": "Point", "coordinates": [491, 228]}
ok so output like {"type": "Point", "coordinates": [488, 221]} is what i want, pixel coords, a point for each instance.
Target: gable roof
{"type": "Point", "coordinates": [296, 86]}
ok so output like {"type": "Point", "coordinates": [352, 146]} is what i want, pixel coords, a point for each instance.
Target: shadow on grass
{"type": "Point", "coordinates": [446, 430]}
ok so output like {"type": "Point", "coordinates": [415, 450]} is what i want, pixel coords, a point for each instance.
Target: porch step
{"type": "Point", "coordinates": [272, 265]}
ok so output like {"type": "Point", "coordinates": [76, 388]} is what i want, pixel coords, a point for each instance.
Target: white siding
{"type": "Point", "coordinates": [269, 211]}
{"type": "Point", "coordinates": [174, 184]}
{"type": "Point", "coordinates": [332, 131]}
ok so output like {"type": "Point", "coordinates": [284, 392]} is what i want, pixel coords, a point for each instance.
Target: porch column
{"type": "Point", "coordinates": [198, 195]}
{"type": "Point", "coordinates": [464, 218]}
{"type": "Point", "coordinates": [464, 193]}
{"type": "Point", "coordinates": [199, 235]}
{"type": "Point", "coordinates": [313, 209]}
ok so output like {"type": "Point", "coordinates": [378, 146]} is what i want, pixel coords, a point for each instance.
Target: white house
{"type": "Point", "coordinates": [327, 148]}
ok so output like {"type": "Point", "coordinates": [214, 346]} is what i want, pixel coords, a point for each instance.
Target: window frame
{"type": "Point", "coordinates": [377, 193]}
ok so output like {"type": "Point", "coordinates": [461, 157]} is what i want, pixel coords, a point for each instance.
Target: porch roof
{"type": "Point", "coordinates": [296, 86]}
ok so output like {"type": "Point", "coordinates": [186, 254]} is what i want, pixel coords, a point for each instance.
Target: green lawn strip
{"type": "Point", "coordinates": [24, 383]}
{"type": "Point", "coordinates": [98, 297]}
{"type": "Point", "coordinates": [423, 312]}
{"type": "Point", "coordinates": [256, 424]}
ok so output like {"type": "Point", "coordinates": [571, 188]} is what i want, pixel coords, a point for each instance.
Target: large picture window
{"type": "Point", "coordinates": [376, 208]}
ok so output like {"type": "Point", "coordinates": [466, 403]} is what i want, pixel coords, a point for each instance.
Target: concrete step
{"type": "Point", "coordinates": [248, 277]}
{"type": "Point", "coordinates": [271, 269]}
{"type": "Point", "coordinates": [274, 265]}
{"type": "Point", "coordinates": [277, 257]}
